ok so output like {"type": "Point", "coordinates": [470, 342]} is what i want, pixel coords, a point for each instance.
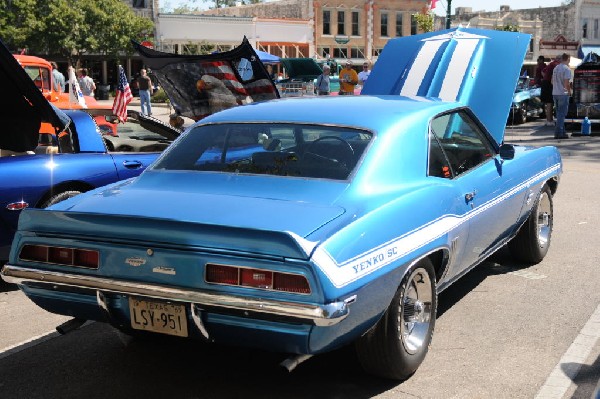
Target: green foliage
{"type": "Point", "coordinates": [160, 96]}
{"type": "Point", "coordinates": [72, 27]}
{"type": "Point", "coordinates": [425, 20]}
{"type": "Point", "coordinates": [509, 28]}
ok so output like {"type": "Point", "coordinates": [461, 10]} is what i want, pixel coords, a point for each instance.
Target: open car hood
{"type": "Point", "coordinates": [475, 67]}
{"type": "Point", "coordinates": [200, 85]}
{"type": "Point", "coordinates": [301, 68]}
{"type": "Point", "coordinates": [24, 106]}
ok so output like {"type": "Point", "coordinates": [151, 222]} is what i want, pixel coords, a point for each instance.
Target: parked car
{"type": "Point", "coordinates": [526, 103]}
{"type": "Point", "coordinates": [301, 75]}
{"type": "Point", "coordinates": [47, 155]}
{"type": "Point", "coordinates": [335, 228]}
{"type": "Point", "coordinates": [40, 72]}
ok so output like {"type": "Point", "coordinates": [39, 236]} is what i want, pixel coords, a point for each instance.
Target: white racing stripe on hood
{"type": "Point", "coordinates": [341, 274]}
{"type": "Point", "coordinates": [461, 58]}
{"type": "Point", "coordinates": [419, 68]}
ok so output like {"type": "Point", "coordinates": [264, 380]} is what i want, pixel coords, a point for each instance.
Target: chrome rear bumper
{"type": "Point", "coordinates": [321, 315]}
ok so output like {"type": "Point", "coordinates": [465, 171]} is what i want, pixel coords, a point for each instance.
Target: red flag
{"type": "Point", "coordinates": [123, 96]}
{"type": "Point", "coordinates": [433, 4]}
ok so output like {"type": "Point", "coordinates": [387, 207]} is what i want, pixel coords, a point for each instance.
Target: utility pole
{"type": "Point", "coordinates": [448, 13]}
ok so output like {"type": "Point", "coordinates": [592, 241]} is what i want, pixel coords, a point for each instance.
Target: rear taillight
{"type": "Point", "coordinates": [222, 274]}
{"type": "Point", "coordinates": [256, 278]}
{"type": "Point", "coordinates": [60, 255]}
{"type": "Point", "coordinates": [291, 283]}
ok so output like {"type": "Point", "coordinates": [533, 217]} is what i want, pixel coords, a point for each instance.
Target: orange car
{"type": "Point", "coordinates": [40, 71]}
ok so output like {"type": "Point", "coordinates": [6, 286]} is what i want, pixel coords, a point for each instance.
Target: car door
{"type": "Point", "coordinates": [133, 163]}
{"type": "Point", "coordinates": [488, 196]}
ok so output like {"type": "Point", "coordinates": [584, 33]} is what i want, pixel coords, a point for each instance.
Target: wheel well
{"type": "Point", "coordinates": [439, 259]}
{"type": "Point", "coordinates": [553, 184]}
{"type": "Point", "coordinates": [65, 186]}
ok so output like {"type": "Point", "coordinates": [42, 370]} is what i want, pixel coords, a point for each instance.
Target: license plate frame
{"type": "Point", "coordinates": [158, 316]}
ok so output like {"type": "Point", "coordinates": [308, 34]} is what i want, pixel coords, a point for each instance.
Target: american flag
{"type": "Point", "coordinates": [122, 97]}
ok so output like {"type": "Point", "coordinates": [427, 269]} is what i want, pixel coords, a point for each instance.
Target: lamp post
{"type": "Point", "coordinates": [448, 13]}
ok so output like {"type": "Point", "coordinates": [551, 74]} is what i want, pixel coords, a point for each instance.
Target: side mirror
{"type": "Point", "coordinates": [507, 151]}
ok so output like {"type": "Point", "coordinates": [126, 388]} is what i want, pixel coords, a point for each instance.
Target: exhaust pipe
{"type": "Point", "coordinates": [69, 326]}
{"type": "Point", "coordinates": [292, 362]}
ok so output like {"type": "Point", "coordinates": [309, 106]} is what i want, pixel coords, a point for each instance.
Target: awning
{"type": "Point", "coordinates": [267, 58]}
{"type": "Point", "coordinates": [585, 50]}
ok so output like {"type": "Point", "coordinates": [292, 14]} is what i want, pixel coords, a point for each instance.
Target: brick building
{"type": "Point", "coordinates": [337, 29]}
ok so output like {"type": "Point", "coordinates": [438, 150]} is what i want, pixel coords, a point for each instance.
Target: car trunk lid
{"type": "Point", "coordinates": [478, 68]}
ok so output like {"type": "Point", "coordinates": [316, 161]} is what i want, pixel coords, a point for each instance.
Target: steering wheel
{"type": "Point", "coordinates": [348, 150]}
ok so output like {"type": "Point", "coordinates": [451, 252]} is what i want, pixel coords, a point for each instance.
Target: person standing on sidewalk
{"type": "Point", "coordinates": [58, 77]}
{"type": "Point", "coordinates": [546, 92]}
{"type": "Point", "coordinates": [348, 79]}
{"type": "Point", "coordinates": [322, 86]}
{"type": "Point", "coordinates": [561, 91]}
{"type": "Point", "coordinates": [86, 83]}
{"type": "Point", "coordinates": [145, 85]}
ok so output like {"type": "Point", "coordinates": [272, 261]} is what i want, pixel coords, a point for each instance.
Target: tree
{"type": "Point", "coordinates": [425, 20]}
{"type": "Point", "coordinates": [72, 28]}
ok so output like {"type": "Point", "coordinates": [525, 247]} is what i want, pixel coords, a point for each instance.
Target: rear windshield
{"type": "Point", "coordinates": [270, 149]}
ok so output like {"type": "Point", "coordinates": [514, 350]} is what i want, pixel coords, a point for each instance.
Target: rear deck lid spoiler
{"type": "Point", "coordinates": [173, 233]}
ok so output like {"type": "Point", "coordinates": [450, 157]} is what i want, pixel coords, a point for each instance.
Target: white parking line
{"type": "Point", "coordinates": [561, 378]}
{"type": "Point", "coordinates": [11, 350]}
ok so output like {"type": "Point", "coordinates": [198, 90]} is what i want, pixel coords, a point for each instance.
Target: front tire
{"type": "Point", "coordinates": [532, 242]}
{"type": "Point", "coordinates": [396, 346]}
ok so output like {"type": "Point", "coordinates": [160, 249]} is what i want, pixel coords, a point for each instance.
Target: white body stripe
{"type": "Point", "coordinates": [461, 58]}
{"type": "Point", "coordinates": [419, 68]}
{"type": "Point", "coordinates": [387, 253]}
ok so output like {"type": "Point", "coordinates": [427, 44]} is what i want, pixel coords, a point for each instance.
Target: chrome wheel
{"type": "Point", "coordinates": [416, 311]}
{"type": "Point", "coordinates": [544, 222]}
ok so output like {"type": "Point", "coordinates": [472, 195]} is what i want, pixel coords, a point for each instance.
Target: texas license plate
{"type": "Point", "coordinates": [159, 317]}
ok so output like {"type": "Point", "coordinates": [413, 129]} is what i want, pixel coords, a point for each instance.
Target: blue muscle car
{"type": "Point", "coordinates": [526, 103]}
{"type": "Point", "coordinates": [47, 155]}
{"type": "Point", "coordinates": [341, 224]}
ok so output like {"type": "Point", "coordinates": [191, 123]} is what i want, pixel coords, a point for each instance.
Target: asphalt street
{"type": "Point", "coordinates": [505, 330]}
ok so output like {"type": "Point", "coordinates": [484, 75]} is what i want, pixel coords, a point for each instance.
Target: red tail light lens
{"type": "Point", "coordinates": [291, 283]}
{"type": "Point", "coordinates": [61, 256]}
{"type": "Point", "coordinates": [36, 253]}
{"type": "Point", "coordinates": [257, 278]}
{"type": "Point", "coordinates": [86, 258]}
{"type": "Point", "coordinates": [220, 274]}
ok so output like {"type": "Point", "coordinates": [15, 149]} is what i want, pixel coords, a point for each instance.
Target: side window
{"type": "Point", "coordinates": [438, 163]}
{"type": "Point", "coordinates": [462, 142]}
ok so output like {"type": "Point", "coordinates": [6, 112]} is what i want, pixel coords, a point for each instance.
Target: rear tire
{"type": "Point", "coordinates": [55, 199]}
{"type": "Point", "coordinates": [396, 346]}
{"type": "Point", "coordinates": [532, 242]}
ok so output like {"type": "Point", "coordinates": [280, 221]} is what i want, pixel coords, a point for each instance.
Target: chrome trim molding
{"type": "Point", "coordinates": [319, 315]}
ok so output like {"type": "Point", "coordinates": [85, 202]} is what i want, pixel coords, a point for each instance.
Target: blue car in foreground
{"type": "Point", "coordinates": [341, 226]}
{"type": "Point", "coordinates": [47, 155]}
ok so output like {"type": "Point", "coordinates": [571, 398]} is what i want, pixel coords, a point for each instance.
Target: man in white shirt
{"type": "Point", "coordinates": [561, 91]}
{"type": "Point", "coordinates": [364, 74]}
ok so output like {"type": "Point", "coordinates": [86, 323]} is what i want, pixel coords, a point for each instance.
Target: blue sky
{"type": "Point", "coordinates": [487, 5]}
